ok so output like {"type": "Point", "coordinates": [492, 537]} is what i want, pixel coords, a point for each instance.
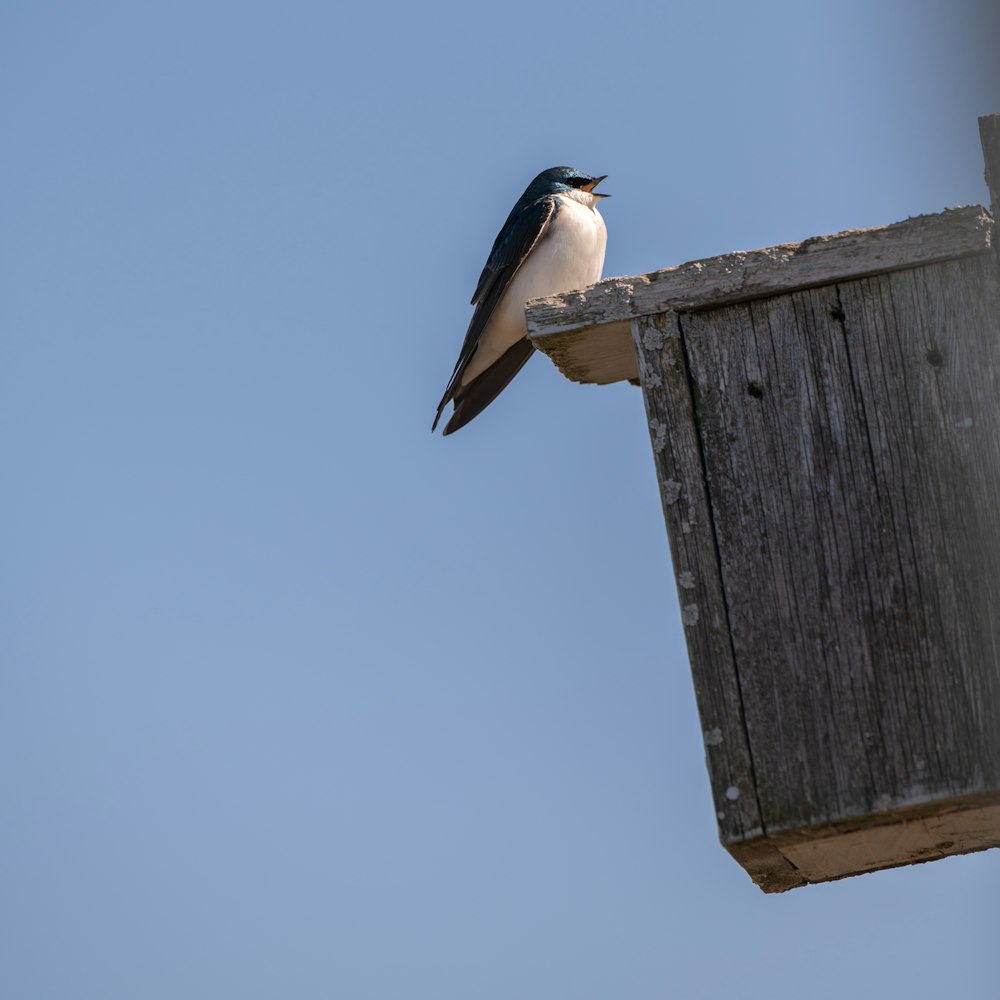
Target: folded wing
{"type": "Point", "coordinates": [521, 232]}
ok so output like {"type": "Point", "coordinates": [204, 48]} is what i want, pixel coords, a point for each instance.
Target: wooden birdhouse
{"type": "Point", "coordinates": [825, 425]}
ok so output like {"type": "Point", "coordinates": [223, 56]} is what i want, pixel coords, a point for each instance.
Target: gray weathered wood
{"type": "Point", "coordinates": [989, 136]}
{"type": "Point", "coordinates": [677, 454]}
{"type": "Point", "coordinates": [837, 451]}
{"type": "Point", "coordinates": [852, 445]}
{"type": "Point", "coordinates": [585, 333]}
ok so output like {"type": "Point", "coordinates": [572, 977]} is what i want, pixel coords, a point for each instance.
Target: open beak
{"type": "Point", "coordinates": [590, 187]}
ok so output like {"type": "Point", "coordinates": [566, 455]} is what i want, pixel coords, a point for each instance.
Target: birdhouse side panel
{"type": "Point", "coordinates": [850, 436]}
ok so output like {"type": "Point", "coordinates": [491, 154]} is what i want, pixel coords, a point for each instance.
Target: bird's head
{"type": "Point", "coordinates": [557, 179]}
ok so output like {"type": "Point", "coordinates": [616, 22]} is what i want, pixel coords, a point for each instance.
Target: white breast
{"type": "Point", "coordinates": [570, 255]}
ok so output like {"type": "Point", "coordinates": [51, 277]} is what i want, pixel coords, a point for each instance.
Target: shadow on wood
{"type": "Point", "coordinates": [825, 422]}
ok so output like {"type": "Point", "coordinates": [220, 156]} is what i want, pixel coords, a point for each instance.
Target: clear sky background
{"type": "Point", "coordinates": [297, 700]}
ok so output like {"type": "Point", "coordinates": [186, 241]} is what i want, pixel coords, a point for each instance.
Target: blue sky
{"type": "Point", "coordinates": [298, 700]}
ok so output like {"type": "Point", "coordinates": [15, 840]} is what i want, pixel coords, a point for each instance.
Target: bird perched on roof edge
{"type": "Point", "coordinates": [553, 241]}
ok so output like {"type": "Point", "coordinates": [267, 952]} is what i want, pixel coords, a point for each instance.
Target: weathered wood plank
{"type": "Point", "coordinates": [907, 836]}
{"type": "Point", "coordinates": [829, 464]}
{"type": "Point", "coordinates": [989, 137]}
{"type": "Point", "coordinates": [599, 356]}
{"type": "Point", "coordinates": [850, 438]}
{"type": "Point", "coordinates": [583, 332]}
{"type": "Point", "coordinates": [696, 565]}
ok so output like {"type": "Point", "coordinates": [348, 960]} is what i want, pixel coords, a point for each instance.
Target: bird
{"type": "Point", "coordinates": [553, 241]}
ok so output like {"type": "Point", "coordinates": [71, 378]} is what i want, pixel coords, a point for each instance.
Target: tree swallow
{"type": "Point", "coordinates": [553, 241]}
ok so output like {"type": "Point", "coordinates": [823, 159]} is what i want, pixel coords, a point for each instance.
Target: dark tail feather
{"type": "Point", "coordinates": [437, 416]}
{"type": "Point", "coordinates": [450, 391]}
{"type": "Point", "coordinates": [472, 399]}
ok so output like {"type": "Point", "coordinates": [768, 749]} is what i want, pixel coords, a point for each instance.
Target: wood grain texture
{"type": "Point", "coordinates": [989, 136]}
{"type": "Point", "coordinates": [851, 442]}
{"type": "Point", "coordinates": [583, 331]}
{"type": "Point", "coordinates": [829, 467]}
{"type": "Point", "coordinates": [598, 356]}
{"type": "Point", "coordinates": [677, 454]}
{"type": "Point", "coordinates": [909, 836]}
{"type": "Point", "coordinates": [913, 835]}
